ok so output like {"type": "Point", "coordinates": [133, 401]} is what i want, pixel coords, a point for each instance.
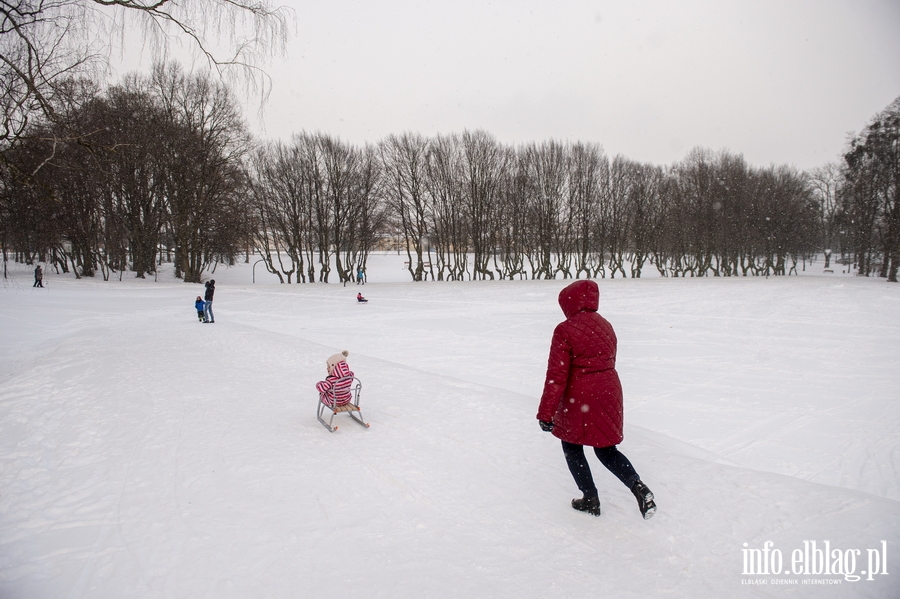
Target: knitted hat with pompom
{"type": "Point", "coordinates": [337, 358]}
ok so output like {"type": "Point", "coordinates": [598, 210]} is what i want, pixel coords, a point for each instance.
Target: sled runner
{"type": "Point", "coordinates": [342, 399]}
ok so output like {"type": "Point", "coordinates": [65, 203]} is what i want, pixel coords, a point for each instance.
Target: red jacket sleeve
{"type": "Point", "coordinates": [557, 374]}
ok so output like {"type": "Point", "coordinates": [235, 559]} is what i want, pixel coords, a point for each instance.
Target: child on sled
{"type": "Point", "coordinates": [335, 389]}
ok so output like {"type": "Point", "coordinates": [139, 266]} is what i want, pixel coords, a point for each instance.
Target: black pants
{"type": "Point", "coordinates": [614, 460]}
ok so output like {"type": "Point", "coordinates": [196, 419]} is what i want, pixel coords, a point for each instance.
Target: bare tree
{"type": "Point", "coordinates": [643, 208]}
{"type": "Point", "coordinates": [510, 221]}
{"type": "Point", "coordinates": [614, 213]}
{"type": "Point", "coordinates": [43, 43]}
{"type": "Point", "coordinates": [207, 170]}
{"type": "Point", "coordinates": [825, 182]}
{"type": "Point", "coordinates": [546, 195]}
{"type": "Point", "coordinates": [368, 212]}
{"type": "Point", "coordinates": [872, 194]}
{"type": "Point", "coordinates": [483, 165]}
{"type": "Point", "coordinates": [137, 135]}
{"type": "Point", "coordinates": [449, 226]}
{"type": "Point", "coordinates": [588, 174]}
{"type": "Point", "coordinates": [340, 166]}
{"type": "Point", "coordinates": [281, 223]}
{"type": "Point", "coordinates": [403, 164]}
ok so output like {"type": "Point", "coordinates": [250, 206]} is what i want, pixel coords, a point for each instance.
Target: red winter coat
{"type": "Point", "coordinates": [582, 393]}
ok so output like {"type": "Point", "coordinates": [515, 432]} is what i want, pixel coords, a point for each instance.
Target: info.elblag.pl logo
{"type": "Point", "coordinates": [815, 559]}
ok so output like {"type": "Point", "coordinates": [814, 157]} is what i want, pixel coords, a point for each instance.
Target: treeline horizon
{"type": "Point", "coordinates": [161, 167]}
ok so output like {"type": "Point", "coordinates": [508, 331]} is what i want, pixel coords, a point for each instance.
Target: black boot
{"type": "Point", "coordinates": [644, 498]}
{"type": "Point", "coordinates": [589, 504]}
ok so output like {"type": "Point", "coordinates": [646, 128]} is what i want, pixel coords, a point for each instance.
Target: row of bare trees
{"type": "Point", "coordinates": [119, 177]}
{"type": "Point", "coordinates": [315, 204]}
{"type": "Point", "coordinates": [157, 165]}
{"type": "Point", "coordinates": [464, 206]}
{"type": "Point", "coordinates": [161, 168]}
{"type": "Point", "coordinates": [468, 207]}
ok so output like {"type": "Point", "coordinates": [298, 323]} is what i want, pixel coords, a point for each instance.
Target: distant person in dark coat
{"type": "Point", "coordinates": [208, 297]}
{"type": "Point", "coordinates": [38, 276]}
{"type": "Point", "coordinates": [582, 400]}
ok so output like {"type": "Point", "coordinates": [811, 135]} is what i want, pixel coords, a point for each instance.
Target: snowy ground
{"type": "Point", "coordinates": [145, 455]}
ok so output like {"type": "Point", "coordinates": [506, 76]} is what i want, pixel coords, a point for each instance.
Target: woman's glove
{"type": "Point", "coordinates": [546, 426]}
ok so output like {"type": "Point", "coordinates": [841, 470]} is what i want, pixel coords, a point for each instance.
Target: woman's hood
{"type": "Point", "coordinates": [578, 297]}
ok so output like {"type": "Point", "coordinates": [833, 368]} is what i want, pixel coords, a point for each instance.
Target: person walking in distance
{"type": "Point", "coordinates": [208, 300]}
{"type": "Point", "coordinates": [582, 399]}
{"type": "Point", "coordinates": [38, 276]}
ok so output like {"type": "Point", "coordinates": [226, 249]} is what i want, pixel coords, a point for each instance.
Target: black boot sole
{"type": "Point", "coordinates": [582, 506]}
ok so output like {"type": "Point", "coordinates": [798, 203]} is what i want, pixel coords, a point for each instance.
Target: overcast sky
{"type": "Point", "coordinates": [778, 81]}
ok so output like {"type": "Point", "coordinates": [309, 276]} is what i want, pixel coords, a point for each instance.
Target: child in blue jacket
{"type": "Point", "coordinates": [199, 305]}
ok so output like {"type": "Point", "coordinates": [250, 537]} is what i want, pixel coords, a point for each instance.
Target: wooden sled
{"type": "Point", "coordinates": [351, 408]}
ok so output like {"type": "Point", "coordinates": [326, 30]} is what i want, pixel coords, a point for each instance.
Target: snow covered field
{"type": "Point", "coordinates": [143, 454]}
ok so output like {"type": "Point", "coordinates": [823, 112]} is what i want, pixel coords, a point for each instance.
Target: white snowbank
{"type": "Point", "coordinates": [147, 455]}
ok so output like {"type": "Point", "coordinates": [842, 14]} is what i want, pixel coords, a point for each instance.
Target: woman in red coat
{"type": "Point", "coordinates": [582, 399]}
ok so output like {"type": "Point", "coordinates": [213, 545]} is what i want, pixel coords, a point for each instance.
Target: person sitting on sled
{"type": "Point", "coordinates": [360, 298]}
{"type": "Point", "coordinates": [199, 305]}
{"type": "Point", "coordinates": [335, 389]}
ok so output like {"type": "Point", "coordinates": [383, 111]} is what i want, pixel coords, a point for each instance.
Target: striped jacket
{"type": "Point", "coordinates": [335, 389]}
